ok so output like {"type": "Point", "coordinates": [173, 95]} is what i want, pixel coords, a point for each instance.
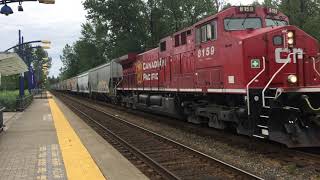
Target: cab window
{"type": "Point", "coordinates": [206, 32]}
{"type": "Point", "coordinates": [235, 24]}
{"type": "Point", "coordinates": [275, 22]}
{"type": "Point", "coordinates": [163, 46]}
{"type": "Point", "coordinates": [177, 40]}
{"type": "Point", "coordinates": [183, 38]}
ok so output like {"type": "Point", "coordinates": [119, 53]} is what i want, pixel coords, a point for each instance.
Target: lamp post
{"type": "Point", "coordinates": [22, 54]}
{"type": "Point", "coordinates": [7, 10]}
{"type": "Point", "coordinates": [21, 77]}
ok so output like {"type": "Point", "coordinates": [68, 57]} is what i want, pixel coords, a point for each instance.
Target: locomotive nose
{"type": "Point", "coordinates": [289, 44]}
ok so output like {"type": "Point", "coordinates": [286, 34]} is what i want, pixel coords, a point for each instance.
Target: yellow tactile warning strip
{"type": "Point", "coordinates": [77, 160]}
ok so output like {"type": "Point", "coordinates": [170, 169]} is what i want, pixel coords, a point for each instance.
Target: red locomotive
{"type": "Point", "coordinates": [244, 68]}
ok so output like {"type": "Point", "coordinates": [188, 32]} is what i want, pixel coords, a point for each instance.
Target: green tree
{"type": "Point", "coordinates": [167, 16]}
{"type": "Point", "coordinates": [117, 27]}
{"type": "Point", "coordinates": [271, 3]}
{"type": "Point", "coordinates": [69, 61]}
{"type": "Point", "coordinates": [125, 22]}
{"type": "Point", "coordinates": [36, 57]}
{"type": "Point", "coordinates": [41, 64]}
{"type": "Point", "coordinates": [304, 14]}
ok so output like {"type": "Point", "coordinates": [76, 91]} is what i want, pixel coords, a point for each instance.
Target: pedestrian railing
{"type": "Point", "coordinates": [24, 102]}
{"type": "Point", "coordinates": [42, 94]}
{"type": "Point", "coordinates": [1, 118]}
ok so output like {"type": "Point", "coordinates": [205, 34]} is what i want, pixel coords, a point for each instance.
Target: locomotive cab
{"type": "Point", "coordinates": [283, 82]}
{"type": "Point", "coordinates": [244, 68]}
{"type": "Point", "coordinates": [254, 51]}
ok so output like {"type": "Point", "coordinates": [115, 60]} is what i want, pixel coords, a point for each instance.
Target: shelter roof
{"type": "Point", "coordinates": [11, 63]}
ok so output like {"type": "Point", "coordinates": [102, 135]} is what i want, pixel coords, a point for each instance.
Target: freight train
{"type": "Point", "coordinates": [244, 68]}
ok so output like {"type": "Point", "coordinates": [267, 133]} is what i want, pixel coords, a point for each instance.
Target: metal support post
{"type": "Point", "coordinates": [21, 78]}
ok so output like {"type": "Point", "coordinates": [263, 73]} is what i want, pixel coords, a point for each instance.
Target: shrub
{"type": "Point", "coordinates": [8, 99]}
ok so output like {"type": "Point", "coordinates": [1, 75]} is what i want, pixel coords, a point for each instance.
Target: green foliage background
{"type": "Point", "coordinates": [116, 27]}
{"type": "Point", "coordinates": [8, 99]}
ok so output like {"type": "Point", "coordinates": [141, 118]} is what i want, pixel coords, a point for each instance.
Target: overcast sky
{"type": "Point", "coordinates": [60, 23]}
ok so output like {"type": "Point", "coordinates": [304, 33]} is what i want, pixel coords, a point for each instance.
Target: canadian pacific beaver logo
{"type": "Point", "coordinates": [139, 72]}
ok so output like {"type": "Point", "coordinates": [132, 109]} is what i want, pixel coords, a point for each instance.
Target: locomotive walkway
{"type": "Point", "coordinates": [48, 141]}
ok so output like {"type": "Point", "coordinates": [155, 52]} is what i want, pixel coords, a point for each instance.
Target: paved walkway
{"type": "Point", "coordinates": [49, 142]}
{"type": "Point", "coordinates": [112, 164]}
{"type": "Point", "coordinates": [29, 148]}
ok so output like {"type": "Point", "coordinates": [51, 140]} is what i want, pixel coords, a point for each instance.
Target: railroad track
{"type": "Point", "coordinates": [299, 158]}
{"type": "Point", "coordinates": [311, 152]}
{"type": "Point", "coordinates": [155, 155]}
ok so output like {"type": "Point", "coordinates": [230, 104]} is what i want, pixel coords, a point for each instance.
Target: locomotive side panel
{"type": "Point", "coordinates": [253, 60]}
{"type": "Point", "coordinates": [165, 56]}
{"type": "Point", "coordinates": [219, 58]}
{"type": "Point", "coordinates": [148, 67]}
{"type": "Point", "coordinates": [129, 78]}
{"type": "Point", "coordinates": [183, 66]}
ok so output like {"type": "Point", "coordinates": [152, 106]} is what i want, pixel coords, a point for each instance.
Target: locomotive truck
{"type": "Point", "coordinates": [243, 68]}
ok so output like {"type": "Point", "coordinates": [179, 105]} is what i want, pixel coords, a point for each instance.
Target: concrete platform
{"type": "Point", "coordinates": [36, 144]}
{"type": "Point", "coordinates": [29, 148]}
{"type": "Point", "coordinates": [9, 117]}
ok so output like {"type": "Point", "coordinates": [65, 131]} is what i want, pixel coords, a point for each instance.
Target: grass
{"type": "Point", "coordinates": [8, 99]}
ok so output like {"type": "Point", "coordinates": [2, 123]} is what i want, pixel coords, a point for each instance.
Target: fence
{"type": "Point", "coordinates": [24, 102]}
{"type": "Point", "coordinates": [41, 94]}
{"type": "Point", "coordinates": [1, 118]}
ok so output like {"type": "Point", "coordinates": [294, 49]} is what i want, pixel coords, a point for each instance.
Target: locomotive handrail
{"type": "Point", "coordinates": [272, 78]}
{"type": "Point", "coordinates": [314, 66]}
{"type": "Point", "coordinates": [116, 86]}
{"type": "Point", "coordinates": [248, 85]}
{"type": "Point", "coordinates": [306, 98]}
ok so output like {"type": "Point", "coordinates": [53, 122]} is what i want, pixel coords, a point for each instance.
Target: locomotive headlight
{"type": "Point", "coordinates": [290, 41]}
{"type": "Point", "coordinates": [292, 79]}
{"type": "Point", "coordinates": [291, 38]}
{"type": "Point", "coordinates": [290, 34]}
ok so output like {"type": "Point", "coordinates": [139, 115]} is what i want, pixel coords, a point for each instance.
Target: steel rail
{"type": "Point", "coordinates": [315, 155]}
{"type": "Point", "coordinates": [159, 136]}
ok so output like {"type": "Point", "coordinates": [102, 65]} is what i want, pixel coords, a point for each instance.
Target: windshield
{"type": "Point", "coordinates": [233, 24]}
{"type": "Point", "coordinates": [275, 22]}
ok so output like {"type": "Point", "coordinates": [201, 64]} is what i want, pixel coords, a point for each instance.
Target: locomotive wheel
{"type": "Point", "coordinates": [195, 119]}
{"type": "Point", "coordinates": [214, 122]}
{"type": "Point", "coordinates": [129, 105]}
